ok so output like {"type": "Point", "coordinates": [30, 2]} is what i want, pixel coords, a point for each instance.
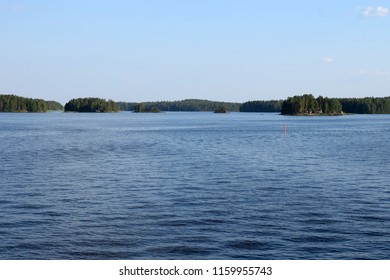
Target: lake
{"type": "Point", "coordinates": [194, 186]}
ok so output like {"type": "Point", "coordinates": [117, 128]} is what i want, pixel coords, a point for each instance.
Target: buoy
{"type": "Point", "coordinates": [285, 129]}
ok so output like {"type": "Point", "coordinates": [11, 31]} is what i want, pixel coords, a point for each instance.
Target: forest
{"type": "Point", "coordinates": [368, 105]}
{"type": "Point", "coordinates": [141, 108]}
{"type": "Point", "coordinates": [262, 106]}
{"type": "Point", "coordinates": [54, 106]}
{"type": "Point", "coordinates": [91, 104]}
{"type": "Point", "coordinates": [297, 105]}
{"type": "Point", "coordinates": [14, 103]}
{"type": "Point", "coordinates": [188, 105]}
{"type": "Point", "coordinates": [309, 105]}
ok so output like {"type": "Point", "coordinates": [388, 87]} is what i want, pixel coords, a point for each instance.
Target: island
{"type": "Point", "coordinates": [220, 110]}
{"type": "Point", "coordinates": [186, 105]}
{"type": "Point", "coordinates": [14, 103]}
{"type": "Point", "coordinates": [304, 105]}
{"type": "Point", "coordinates": [91, 105]}
{"type": "Point", "coordinates": [141, 108]}
{"type": "Point", "coordinates": [309, 105]}
{"type": "Point", "coordinates": [261, 106]}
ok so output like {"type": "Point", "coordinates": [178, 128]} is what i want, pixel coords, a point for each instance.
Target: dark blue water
{"type": "Point", "coordinates": [194, 186]}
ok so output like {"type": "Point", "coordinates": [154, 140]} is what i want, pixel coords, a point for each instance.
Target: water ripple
{"type": "Point", "coordinates": [194, 186]}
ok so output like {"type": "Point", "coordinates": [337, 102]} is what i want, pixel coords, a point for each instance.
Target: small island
{"type": "Point", "coordinates": [91, 105]}
{"type": "Point", "coordinates": [220, 110]}
{"type": "Point", "coordinates": [14, 103]}
{"type": "Point", "coordinates": [141, 108]}
{"type": "Point", "coordinates": [308, 105]}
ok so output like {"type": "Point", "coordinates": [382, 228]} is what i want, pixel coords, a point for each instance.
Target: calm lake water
{"type": "Point", "coordinates": [194, 186]}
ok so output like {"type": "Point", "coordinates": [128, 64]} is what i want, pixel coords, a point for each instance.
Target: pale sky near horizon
{"type": "Point", "coordinates": [227, 50]}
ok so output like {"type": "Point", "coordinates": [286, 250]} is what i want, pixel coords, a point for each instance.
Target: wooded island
{"type": "Point", "coordinates": [91, 104]}
{"type": "Point", "coordinates": [308, 105]}
{"type": "Point", "coordinates": [297, 105]}
{"type": "Point", "coordinates": [13, 103]}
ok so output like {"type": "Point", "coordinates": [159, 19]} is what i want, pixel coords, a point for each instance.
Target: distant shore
{"type": "Point", "coordinates": [305, 105]}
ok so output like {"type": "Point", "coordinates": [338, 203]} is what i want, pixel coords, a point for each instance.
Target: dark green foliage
{"type": "Point", "coordinates": [13, 103]}
{"type": "Point", "coordinates": [126, 106]}
{"type": "Point", "coordinates": [368, 105]}
{"type": "Point", "coordinates": [91, 104]}
{"type": "Point", "coordinates": [221, 109]}
{"type": "Point", "coordinates": [183, 105]}
{"type": "Point", "coordinates": [308, 105]}
{"type": "Point", "coordinates": [54, 106]}
{"type": "Point", "coordinates": [141, 108]}
{"type": "Point", "coordinates": [262, 106]}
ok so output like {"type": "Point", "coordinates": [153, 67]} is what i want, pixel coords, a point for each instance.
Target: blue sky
{"type": "Point", "coordinates": [228, 50]}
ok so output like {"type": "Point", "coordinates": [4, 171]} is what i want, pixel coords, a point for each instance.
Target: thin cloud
{"type": "Point", "coordinates": [370, 11]}
{"type": "Point", "coordinates": [370, 73]}
{"type": "Point", "coordinates": [381, 73]}
{"type": "Point", "coordinates": [327, 59]}
{"type": "Point", "coordinates": [16, 7]}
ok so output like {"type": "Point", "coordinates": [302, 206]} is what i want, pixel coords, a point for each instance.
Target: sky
{"type": "Point", "coordinates": [222, 50]}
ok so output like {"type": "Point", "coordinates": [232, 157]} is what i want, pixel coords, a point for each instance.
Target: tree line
{"type": "Point", "coordinates": [188, 105]}
{"type": "Point", "coordinates": [296, 105]}
{"type": "Point", "coordinates": [307, 104]}
{"type": "Point", "coordinates": [262, 106]}
{"type": "Point", "coordinates": [91, 104]}
{"type": "Point", "coordinates": [368, 105]}
{"type": "Point", "coordinates": [14, 103]}
{"type": "Point", "coordinates": [140, 108]}
{"type": "Point", "coordinates": [54, 106]}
